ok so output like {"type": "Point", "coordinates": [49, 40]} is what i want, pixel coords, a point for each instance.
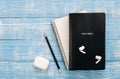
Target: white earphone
{"type": "Point", "coordinates": [81, 49]}
{"type": "Point", "coordinates": [98, 59]}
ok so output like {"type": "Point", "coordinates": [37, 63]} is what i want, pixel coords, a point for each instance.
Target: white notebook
{"type": "Point", "coordinates": [61, 28]}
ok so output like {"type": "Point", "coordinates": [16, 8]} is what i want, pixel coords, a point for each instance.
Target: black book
{"type": "Point", "coordinates": [86, 41]}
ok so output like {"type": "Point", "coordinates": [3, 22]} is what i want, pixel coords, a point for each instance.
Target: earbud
{"type": "Point", "coordinates": [98, 59]}
{"type": "Point", "coordinates": [81, 49]}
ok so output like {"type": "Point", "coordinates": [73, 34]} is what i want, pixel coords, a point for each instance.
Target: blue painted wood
{"type": "Point", "coordinates": [55, 8]}
{"type": "Point", "coordinates": [33, 28]}
{"type": "Point", "coordinates": [26, 70]}
{"type": "Point", "coordinates": [27, 50]}
{"type": "Point", "coordinates": [22, 24]}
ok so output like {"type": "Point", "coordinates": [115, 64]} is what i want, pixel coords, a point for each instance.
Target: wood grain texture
{"type": "Point", "coordinates": [26, 70]}
{"type": "Point", "coordinates": [22, 24]}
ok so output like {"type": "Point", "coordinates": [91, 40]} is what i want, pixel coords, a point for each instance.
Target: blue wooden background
{"type": "Point", "coordinates": [22, 24]}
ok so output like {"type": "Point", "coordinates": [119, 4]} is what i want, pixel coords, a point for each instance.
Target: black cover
{"type": "Point", "coordinates": [86, 29]}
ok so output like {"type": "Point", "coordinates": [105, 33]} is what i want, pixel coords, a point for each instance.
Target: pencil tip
{"type": "Point", "coordinates": [44, 34]}
{"type": "Point", "coordinates": [59, 70]}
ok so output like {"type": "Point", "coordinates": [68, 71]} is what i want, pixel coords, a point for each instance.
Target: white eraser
{"type": "Point", "coordinates": [41, 63]}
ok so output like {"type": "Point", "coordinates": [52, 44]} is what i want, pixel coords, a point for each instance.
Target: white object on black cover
{"type": "Point", "coordinates": [98, 59]}
{"type": "Point", "coordinates": [81, 49]}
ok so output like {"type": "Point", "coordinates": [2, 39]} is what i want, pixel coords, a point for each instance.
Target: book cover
{"type": "Point", "coordinates": [61, 28]}
{"type": "Point", "coordinates": [86, 41]}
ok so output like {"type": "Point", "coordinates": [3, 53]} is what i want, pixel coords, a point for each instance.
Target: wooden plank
{"type": "Point", "coordinates": [27, 50]}
{"type": "Point", "coordinates": [33, 28]}
{"type": "Point", "coordinates": [25, 21]}
{"type": "Point", "coordinates": [55, 8]}
{"type": "Point", "coordinates": [34, 8]}
{"type": "Point", "coordinates": [25, 31]}
{"type": "Point", "coordinates": [26, 70]}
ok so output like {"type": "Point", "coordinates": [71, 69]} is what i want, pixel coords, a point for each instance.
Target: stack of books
{"type": "Point", "coordinates": [81, 37]}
